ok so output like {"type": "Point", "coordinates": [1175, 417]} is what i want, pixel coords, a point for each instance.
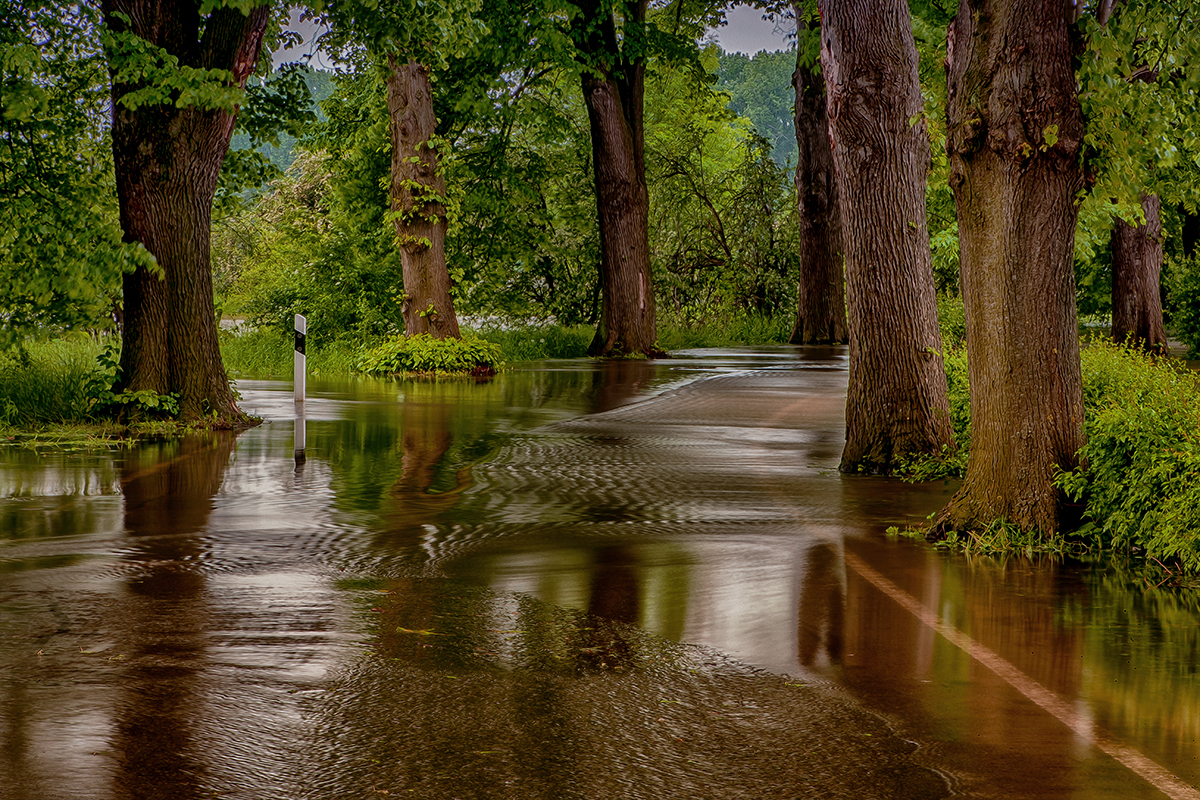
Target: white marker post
{"type": "Point", "coordinates": [298, 374]}
{"type": "Point", "coordinates": [298, 371]}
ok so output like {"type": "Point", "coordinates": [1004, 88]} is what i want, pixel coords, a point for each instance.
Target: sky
{"type": "Point", "coordinates": [746, 32]}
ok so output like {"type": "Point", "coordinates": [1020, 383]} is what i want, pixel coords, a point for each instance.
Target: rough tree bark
{"type": "Point", "coordinates": [896, 401]}
{"type": "Point", "coordinates": [419, 210]}
{"type": "Point", "coordinates": [1137, 259]}
{"type": "Point", "coordinates": [167, 163]}
{"type": "Point", "coordinates": [613, 85]}
{"type": "Point", "coordinates": [821, 307]}
{"type": "Point", "coordinates": [1014, 136]}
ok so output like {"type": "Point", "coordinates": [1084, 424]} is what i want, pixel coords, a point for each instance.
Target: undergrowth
{"type": "Point", "coordinates": [743, 329]}
{"type": "Point", "coordinates": [999, 538]}
{"type": "Point", "coordinates": [47, 383]}
{"type": "Point", "coordinates": [425, 354]}
{"type": "Point", "coordinates": [538, 342]}
{"type": "Point", "coordinates": [265, 353]}
{"type": "Point", "coordinates": [59, 394]}
{"type": "Point", "coordinates": [1139, 473]}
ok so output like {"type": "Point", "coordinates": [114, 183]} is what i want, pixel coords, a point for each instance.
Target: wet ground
{"type": "Point", "coordinates": [577, 580]}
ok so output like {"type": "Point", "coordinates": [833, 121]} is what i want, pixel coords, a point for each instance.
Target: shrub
{"type": "Point", "coordinates": [1140, 473]}
{"type": "Point", "coordinates": [1184, 293]}
{"type": "Point", "coordinates": [424, 353]}
{"type": "Point", "coordinates": [1140, 469]}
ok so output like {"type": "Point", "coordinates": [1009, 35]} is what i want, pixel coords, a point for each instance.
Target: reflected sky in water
{"type": "Point", "coordinates": [629, 579]}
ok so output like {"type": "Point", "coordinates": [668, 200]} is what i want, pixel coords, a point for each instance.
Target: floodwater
{"type": "Point", "coordinates": [577, 580]}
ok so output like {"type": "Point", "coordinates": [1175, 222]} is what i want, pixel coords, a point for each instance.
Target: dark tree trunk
{"type": "Point", "coordinates": [1014, 136]}
{"type": "Point", "coordinates": [1191, 231]}
{"type": "Point", "coordinates": [418, 202]}
{"type": "Point", "coordinates": [613, 88]}
{"type": "Point", "coordinates": [1137, 258]}
{"type": "Point", "coordinates": [167, 163]}
{"type": "Point", "coordinates": [821, 306]}
{"type": "Point", "coordinates": [896, 400]}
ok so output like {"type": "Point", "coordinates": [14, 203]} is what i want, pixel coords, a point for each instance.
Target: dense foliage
{"type": "Point", "coordinates": [1141, 473]}
{"type": "Point", "coordinates": [522, 243]}
{"type": "Point", "coordinates": [424, 353]}
{"type": "Point", "coordinates": [61, 254]}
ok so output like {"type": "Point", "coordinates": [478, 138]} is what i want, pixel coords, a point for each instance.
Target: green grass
{"type": "Point", "coordinates": [750, 329]}
{"type": "Point", "coordinates": [48, 383]}
{"type": "Point", "coordinates": [534, 343]}
{"type": "Point", "coordinates": [266, 353]}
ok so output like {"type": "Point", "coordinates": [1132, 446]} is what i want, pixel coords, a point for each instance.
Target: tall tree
{"type": "Point", "coordinates": [1014, 135]}
{"type": "Point", "coordinates": [177, 76]}
{"type": "Point", "coordinates": [419, 201]}
{"type": "Point", "coordinates": [613, 80]}
{"type": "Point", "coordinates": [1137, 248]}
{"type": "Point", "coordinates": [1137, 259]}
{"type": "Point", "coordinates": [821, 306]}
{"type": "Point", "coordinates": [411, 37]}
{"type": "Point", "coordinates": [896, 401]}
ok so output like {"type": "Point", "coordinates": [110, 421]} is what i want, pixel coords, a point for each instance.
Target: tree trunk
{"type": "Point", "coordinates": [821, 307]}
{"type": "Point", "coordinates": [1191, 231]}
{"type": "Point", "coordinates": [896, 400]}
{"type": "Point", "coordinates": [167, 163]}
{"type": "Point", "coordinates": [613, 88]}
{"type": "Point", "coordinates": [418, 202]}
{"type": "Point", "coordinates": [1137, 258]}
{"type": "Point", "coordinates": [1014, 136]}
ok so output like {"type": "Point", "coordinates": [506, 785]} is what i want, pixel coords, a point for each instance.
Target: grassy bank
{"type": "Point", "coordinates": [1140, 476]}
{"type": "Point", "coordinates": [266, 354]}
{"type": "Point", "coordinates": [49, 383]}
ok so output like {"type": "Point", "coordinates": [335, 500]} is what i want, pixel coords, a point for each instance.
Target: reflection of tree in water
{"type": "Point", "coordinates": [426, 439]}
{"type": "Point", "coordinates": [1141, 656]}
{"type": "Point", "coordinates": [465, 693]}
{"type": "Point", "coordinates": [617, 381]}
{"type": "Point", "coordinates": [164, 618]}
{"type": "Point", "coordinates": [614, 596]}
{"type": "Point", "coordinates": [822, 607]}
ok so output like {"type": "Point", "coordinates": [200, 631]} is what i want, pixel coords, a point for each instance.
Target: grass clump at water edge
{"type": "Point", "coordinates": [264, 352]}
{"type": "Point", "coordinates": [59, 394]}
{"type": "Point", "coordinates": [423, 353]}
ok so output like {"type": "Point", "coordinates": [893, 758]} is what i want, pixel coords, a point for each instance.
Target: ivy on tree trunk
{"type": "Point", "coordinates": [418, 202]}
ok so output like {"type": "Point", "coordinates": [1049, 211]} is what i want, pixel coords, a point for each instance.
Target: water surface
{"type": "Point", "coordinates": [637, 579]}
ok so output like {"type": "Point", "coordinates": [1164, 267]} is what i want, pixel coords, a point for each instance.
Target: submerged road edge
{"type": "Point", "coordinates": [1166, 782]}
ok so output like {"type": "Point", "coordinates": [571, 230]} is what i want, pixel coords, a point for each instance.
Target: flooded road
{"type": "Point", "coordinates": [577, 580]}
